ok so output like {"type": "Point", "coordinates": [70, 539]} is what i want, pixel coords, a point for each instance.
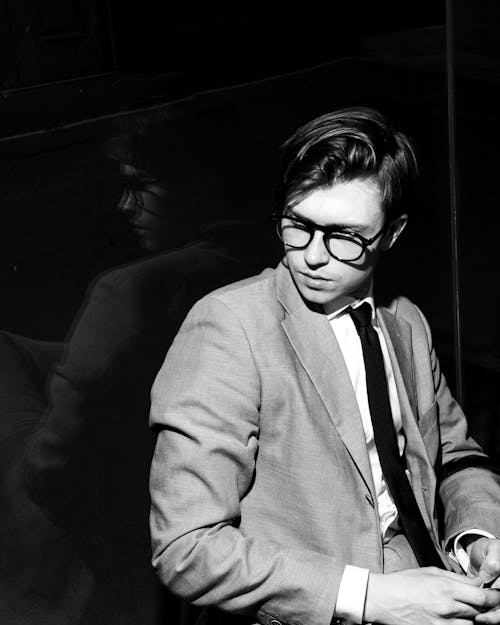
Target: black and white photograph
{"type": "Point", "coordinates": [250, 315]}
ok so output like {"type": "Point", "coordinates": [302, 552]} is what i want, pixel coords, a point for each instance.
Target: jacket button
{"type": "Point", "coordinates": [275, 622]}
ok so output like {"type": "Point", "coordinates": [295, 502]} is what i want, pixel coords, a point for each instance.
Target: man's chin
{"type": "Point", "coordinates": [317, 297]}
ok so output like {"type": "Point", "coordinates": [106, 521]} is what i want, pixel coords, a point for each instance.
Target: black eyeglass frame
{"type": "Point", "coordinates": [134, 185]}
{"type": "Point", "coordinates": [360, 240]}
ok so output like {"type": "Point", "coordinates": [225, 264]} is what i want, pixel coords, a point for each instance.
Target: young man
{"type": "Point", "coordinates": [311, 464]}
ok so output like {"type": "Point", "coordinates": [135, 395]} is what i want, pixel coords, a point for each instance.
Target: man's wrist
{"type": "Point", "coordinates": [351, 595]}
{"type": "Point", "coordinates": [461, 546]}
{"type": "Point", "coordinates": [373, 588]}
{"type": "Point", "coordinates": [468, 541]}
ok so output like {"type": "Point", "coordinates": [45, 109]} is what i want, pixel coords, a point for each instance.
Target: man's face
{"type": "Point", "coordinates": [355, 207]}
{"type": "Point", "coordinates": [152, 210]}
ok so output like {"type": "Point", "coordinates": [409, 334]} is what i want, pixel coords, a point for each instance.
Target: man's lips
{"type": "Point", "coordinates": [136, 226]}
{"type": "Point", "coordinates": [312, 276]}
{"type": "Point", "coordinates": [314, 282]}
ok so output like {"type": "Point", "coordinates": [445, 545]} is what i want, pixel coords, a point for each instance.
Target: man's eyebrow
{"type": "Point", "coordinates": [139, 182]}
{"type": "Point", "coordinates": [340, 227]}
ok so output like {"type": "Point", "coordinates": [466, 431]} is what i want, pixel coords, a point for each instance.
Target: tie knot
{"type": "Point", "coordinates": [362, 316]}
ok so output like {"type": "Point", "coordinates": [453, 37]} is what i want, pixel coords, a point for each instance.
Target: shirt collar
{"type": "Point", "coordinates": [346, 303]}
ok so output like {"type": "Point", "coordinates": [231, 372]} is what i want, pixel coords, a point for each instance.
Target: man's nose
{"type": "Point", "coordinates": [127, 203]}
{"type": "Point", "coordinates": [316, 253]}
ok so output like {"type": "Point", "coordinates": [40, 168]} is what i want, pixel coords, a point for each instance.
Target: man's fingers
{"type": "Point", "coordinates": [490, 565]}
{"type": "Point", "coordinates": [492, 617]}
{"type": "Point", "coordinates": [482, 599]}
{"type": "Point", "coordinates": [467, 611]}
{"type": "Point", "coordinates": [462, 579]}
{"type": "Point", "coordinates": [490, 569]}
{"type": "Point", "coordinates": [491, 599]}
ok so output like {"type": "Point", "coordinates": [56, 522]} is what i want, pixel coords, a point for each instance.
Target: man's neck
{"type": "Point", "coordinates": [344, 301]}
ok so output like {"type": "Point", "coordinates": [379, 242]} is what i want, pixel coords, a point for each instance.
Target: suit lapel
{"type": "Point", "coordinates": [397, 333]}
{"type": "Point", "coordinates": [314, 343]}
{"type": "Point", "coordinates": [398, 339]}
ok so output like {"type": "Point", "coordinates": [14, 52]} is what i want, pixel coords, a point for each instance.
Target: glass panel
{"type": "Point", "coordinates": [477, 80]}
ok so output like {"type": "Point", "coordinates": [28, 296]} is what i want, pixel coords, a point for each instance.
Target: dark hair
{"type": "Point", "coordinates": [343, 145]}
{"type": "Point", "coordinates": [167, 142]}
{"type": "Point", "coordinates": [174, 145]}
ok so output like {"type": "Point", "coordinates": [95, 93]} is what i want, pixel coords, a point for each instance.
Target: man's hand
{"type": "Point", "coordinates": [485, 560]}
{"type": "Point", "coordinates": [484, 556]}
{"type": "Point", "coordinates": [427, 595]}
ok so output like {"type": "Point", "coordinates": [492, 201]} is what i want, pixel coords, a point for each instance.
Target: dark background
{"type": "Point", "coordinates": [255, 72]}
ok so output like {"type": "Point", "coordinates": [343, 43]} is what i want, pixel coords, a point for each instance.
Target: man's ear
{"type": "Point", "coordinates": [393, 230]}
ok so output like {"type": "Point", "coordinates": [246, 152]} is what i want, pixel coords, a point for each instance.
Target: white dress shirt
{"type": "Point", "coordinates": [352, 591]}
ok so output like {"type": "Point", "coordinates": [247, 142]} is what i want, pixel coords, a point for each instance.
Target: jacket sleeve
{"type": "Point", "coordinates": [470, 498]}
{"type": "Point", "coordinates": [105, 356]}
{"type": "Point", "coordinates": [205, 408]}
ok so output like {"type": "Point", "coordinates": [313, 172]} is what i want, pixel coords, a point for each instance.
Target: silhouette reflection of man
{"type": "Point", "coordinates": [87, 463]}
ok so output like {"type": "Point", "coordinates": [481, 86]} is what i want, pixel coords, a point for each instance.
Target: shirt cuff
{"type": "Point", "coordinates": [352, 594]}
{"type": "Point", "coordinates": [458, 552]}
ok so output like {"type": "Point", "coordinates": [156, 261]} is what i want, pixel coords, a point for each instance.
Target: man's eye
{"type": "Point", "coordinates": [300, 226]}
{"type": "Point", "coordinates": [339, 234]}
{"type": "Point", "coordinates": [293, 223]}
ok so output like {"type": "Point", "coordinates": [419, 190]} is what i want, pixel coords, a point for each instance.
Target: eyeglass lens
{"type": "Point", "coordinates": [339, 245]}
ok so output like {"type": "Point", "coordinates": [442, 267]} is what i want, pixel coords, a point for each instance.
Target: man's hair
{"type": "Point", "coordinates": [165, 142]}
{"type": "Point", "coordinates": [343, 145]}
{"type": "Point", "coordinates": [172, 145]}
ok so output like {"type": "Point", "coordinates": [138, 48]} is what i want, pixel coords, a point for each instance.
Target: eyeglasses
{"type": "Point", "coordinates": [133, 188]}
{"type": "Point", "coordinates": [341, 244]}
{"type": "Point", "coordinates": [136, 185]}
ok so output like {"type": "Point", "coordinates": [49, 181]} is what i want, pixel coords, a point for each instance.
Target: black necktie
{"type": "Point", "coordinates": [393, 466]}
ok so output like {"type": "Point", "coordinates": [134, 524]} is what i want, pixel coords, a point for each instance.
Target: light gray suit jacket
{"type": "Point", "coordinates": [261, 485]}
